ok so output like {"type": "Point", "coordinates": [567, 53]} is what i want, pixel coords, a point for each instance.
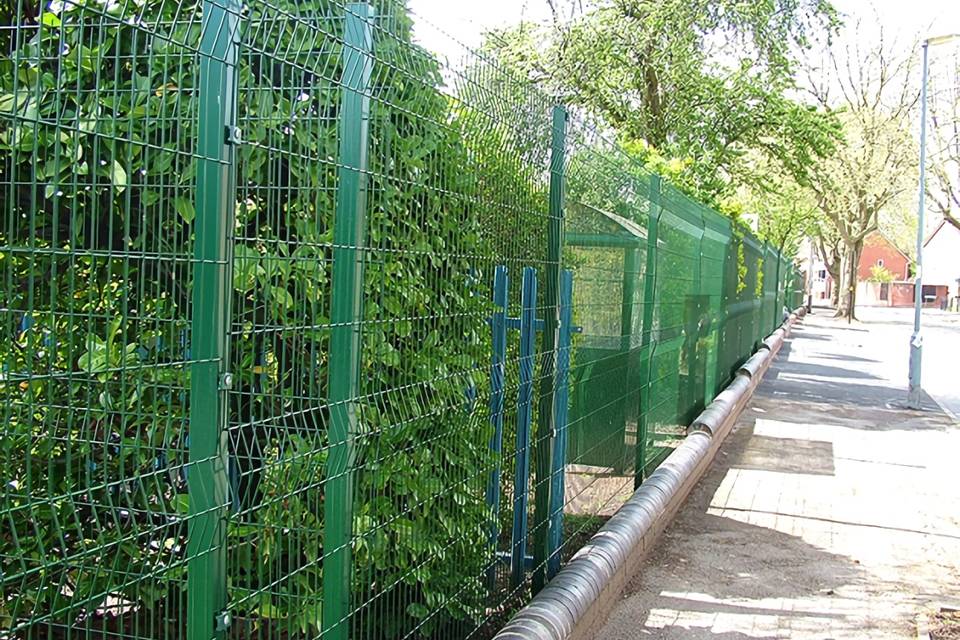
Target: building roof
{"type": "Point", "coordinates": [594, 226]}
{"type": "Point", "coordinates": [942, 224]}
{"type": "Point", "coordinates": [891, 244]}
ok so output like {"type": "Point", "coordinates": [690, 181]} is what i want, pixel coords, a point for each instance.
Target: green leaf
{"type": "Point", "coordinates": [50, 19]}
{"type": "Point", "coordinates": [181, 503]}
{"type": "Point", "coordinates": [119, 177]}
{"type": "Point", "coordinates": [270, 611]}
{"type": "Point", "coordinates": [184, 207]}
{"type": "Point", "coordinates": [12, 101]}
{"type": "Point", "coordinates": [245, 262]}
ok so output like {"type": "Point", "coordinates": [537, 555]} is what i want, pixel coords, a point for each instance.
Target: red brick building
{"type": "Point", "coordinates": [880, 252]}
{"type": "Point", "coordinates": [941, 277]}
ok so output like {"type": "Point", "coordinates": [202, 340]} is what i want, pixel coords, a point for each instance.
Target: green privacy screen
{"type": "Point", "coordinates": [307, 332]}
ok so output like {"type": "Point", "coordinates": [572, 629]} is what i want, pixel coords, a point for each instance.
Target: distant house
{"type": "Point", "coordinates": [815, 276]}
{"type": "Point", "coordinates": [941, 272]}
{"type": "Point", "coordinates": [879, 252]}
{"type": "Point", "coordinates": [941, 265]}
{"type": "Point", "coordinates": [821, 283]}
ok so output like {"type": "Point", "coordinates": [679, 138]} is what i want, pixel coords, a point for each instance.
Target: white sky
{"type": "Point", "coordinates": [907, 19]}
{"type": "Point", "coordinates": [466, 20]}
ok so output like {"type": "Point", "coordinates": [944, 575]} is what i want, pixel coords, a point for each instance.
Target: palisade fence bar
{"type": "Point", "coordinates": [309, 332]}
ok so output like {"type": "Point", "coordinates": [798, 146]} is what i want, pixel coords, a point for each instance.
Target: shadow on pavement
{"type": "Point", "coordinates": [875, 407]}
{"type": "Point", "coordinates": [809, 336]}
{"type": "Point", "coordinates": [787, 455]}
{"type": "Point", "coordinates": [733, 559]}
{"type": "Point", "coordinates": [823, 370]}
{"type": "Point", "coordinates": [844, 358]}
{"type": "Point", "coordinates": [672, 631]}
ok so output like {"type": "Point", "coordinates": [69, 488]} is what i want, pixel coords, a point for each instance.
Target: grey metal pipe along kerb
{"type": "Point", "coordinates": [727, 403]}
{"type": "Point", "coordinates": [754, 365]}
{"type": "Point", "coordinates": [774, 341]}
{"type": "Point", "coordinates": [554, 612]}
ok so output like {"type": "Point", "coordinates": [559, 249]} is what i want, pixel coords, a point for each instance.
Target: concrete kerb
{"type": "Point", "coordinates": [587, 588]}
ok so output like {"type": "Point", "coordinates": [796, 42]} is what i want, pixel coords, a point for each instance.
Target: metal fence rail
{"type": "Point", "coordinates": [306, 331]}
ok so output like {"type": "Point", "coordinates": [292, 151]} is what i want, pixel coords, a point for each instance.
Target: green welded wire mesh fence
{"type": "Point", "coordinates": [306, 331]}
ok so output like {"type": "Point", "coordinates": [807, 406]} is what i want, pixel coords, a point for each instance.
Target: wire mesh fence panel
{"type": "Point", "coordinates": [797, 283]}
{"type": "Point", "coordinates": [732, 313]}
{"type": "Point", "coordinates": [453, 185]}
{"type": "Point", "coordinates": [781, 298]}
{"type": "Point", "coordinates": [787, 292]}
{"type": "Point", "coordinates": [459, 185]}
{"type": "Point", "coordinates": [717, 286]}
{"type": "Point", "coordinates": [605, 240]}
{"type": "Point", "coordinates": [751, 294]}
{"type": "Point", "coordinates": [676, 379]}
{"type": "Point", "coordinates": [770, 289]}
{"type": "Point", "coordinates": [308, 331]}
{"type": "Point", "coordinates": [292, 67]}
{"type": "Point", "coordinates": [99, 130]}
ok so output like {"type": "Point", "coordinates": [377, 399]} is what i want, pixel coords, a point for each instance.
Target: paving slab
{"type": "Point", "coordinates": [829, 513]}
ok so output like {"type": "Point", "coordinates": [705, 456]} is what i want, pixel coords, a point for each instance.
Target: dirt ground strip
{"type": "Point", "coordinates": [830, 512]}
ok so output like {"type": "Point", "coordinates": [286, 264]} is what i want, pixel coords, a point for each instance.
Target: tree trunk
{"type": "Point", "coordinates": [847, 302]}
{"type": "Point", "coordinates": [833, 269]}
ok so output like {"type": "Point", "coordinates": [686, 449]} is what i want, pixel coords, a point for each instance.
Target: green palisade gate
{"type": "Point", "coordinates": [249, 379]}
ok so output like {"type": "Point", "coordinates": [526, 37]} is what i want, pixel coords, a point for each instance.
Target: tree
{"type": "Point", "coordinates": [872, 169]}
{"type": "Point", "coordinates": [880, 274]}
{"type": "Point", "coordinates": [783, 209]}
{"type": "Point", "coordinates": [829, 246]}
{"type": "Point", "coordinates": [704, 81]}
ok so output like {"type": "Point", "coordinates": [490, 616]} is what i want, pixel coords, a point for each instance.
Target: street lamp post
{"type": "Point", "coordinates": [916, 340]}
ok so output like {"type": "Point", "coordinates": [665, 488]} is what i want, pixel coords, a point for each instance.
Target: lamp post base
{"type": "Point", "coordinates": [916, 353]}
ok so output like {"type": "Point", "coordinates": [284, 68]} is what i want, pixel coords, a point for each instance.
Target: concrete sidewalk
{"type": "Point", "coordinates": [829, 512]}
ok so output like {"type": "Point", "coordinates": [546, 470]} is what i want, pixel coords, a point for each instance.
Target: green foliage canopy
{"type": "Point", "coordinates": [701, 82]}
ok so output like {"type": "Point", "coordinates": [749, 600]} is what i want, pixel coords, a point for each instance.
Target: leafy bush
{"type": "Point", "coordinates": [99, 127]}
{"type": "Point", "coordinates": [881, 274]}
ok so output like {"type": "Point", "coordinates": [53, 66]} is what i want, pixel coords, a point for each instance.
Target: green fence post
{"type": "Point", "coordinates": [765, 319]}
{"type": "Point", "coordinates": [770, 286]}
{"type": "Point", "coordinates": [761, 331]}
{"type": "Point", "coordinates": [777, 304]}
{"type": "Point", "coordinates": [546, 423]}
{"type": "Point", "coordinates": [646, 337]}
{"type": "Point", "coordinates": [210, 321]}
{"type": "Point", "coordinates": [346, 315]}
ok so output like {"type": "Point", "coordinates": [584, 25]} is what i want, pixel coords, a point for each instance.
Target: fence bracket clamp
{"type": "Point", "coordinates": [226, 382]}
{"type": "Point", "coordinates": [223, 620]}
{"type": "Point", "coordinates": [233, 135]}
